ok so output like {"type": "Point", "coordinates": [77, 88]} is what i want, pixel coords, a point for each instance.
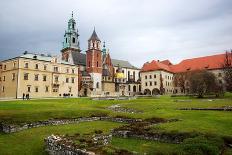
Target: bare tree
{"type": "Point", "coordinates": [227, 69]}
{"type": "Point", "coordinates": [161, 85]}
{"type": "Point", "coordinates": [179, 80]}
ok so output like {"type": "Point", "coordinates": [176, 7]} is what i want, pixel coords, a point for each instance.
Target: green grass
{"type": "Point", "coordinates": [218, 123]}
{"type": "Point", "coordinates": [31, 141]}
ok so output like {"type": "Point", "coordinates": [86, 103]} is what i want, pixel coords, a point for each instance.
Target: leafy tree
{"type": "Point", "coordinates": [203, 82]}
{"type": "Point", "coordinates": [227, 69]}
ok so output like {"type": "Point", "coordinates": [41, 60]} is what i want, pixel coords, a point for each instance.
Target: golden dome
{"type": "Point", "coordinates": [119, 75]}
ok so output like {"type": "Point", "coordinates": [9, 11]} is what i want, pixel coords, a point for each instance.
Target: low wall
{"type": "Point", "coordinates": [161, 137]}
{"type": "Point", "coordinates": [10, 128]}
{"type": "Point", "coordinates": [55, 145]}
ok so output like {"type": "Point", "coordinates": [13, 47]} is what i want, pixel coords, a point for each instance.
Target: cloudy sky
{"type": "Point", "coordinates": [134, 30]}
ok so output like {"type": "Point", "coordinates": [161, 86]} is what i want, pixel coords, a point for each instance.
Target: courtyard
{"type": "Point", "coordinates": [212, 129]}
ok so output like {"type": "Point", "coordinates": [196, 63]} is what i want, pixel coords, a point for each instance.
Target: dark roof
{"type": "Point", "coordinates": [94, 36]}
{"type": "Point", "coordinates": [79, 58]}
{"type": "Point", "coordinates": [105, 72]}
{"type": "Point", "coordinates": [123, 63]}
{"type": "Point", "coordinates": [84, 73]}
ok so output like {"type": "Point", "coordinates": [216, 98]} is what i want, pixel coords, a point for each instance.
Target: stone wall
{"type": "Point", "coordinates": [10, 128]}
{"type": "Point", "coordinates": [55, 145]}
{"type": "Point", "coordinates": [161, 137]}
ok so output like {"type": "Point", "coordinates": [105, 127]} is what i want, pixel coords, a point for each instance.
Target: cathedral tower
{"type": "Point", "coordinates": [71, 42]}
{"type": "Point", "coordinates": [94, 61]}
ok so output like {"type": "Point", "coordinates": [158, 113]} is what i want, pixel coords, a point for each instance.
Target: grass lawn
{"type": "Point", "coordinates": [218, 123]}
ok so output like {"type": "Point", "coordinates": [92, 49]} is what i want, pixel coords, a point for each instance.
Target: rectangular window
{"type": "Point", "coordinates": [26, 65]}
{"type": "Point", "coordinates": [55, 69]}
{"type": "Point", "coordinates": [36, 89]}
{"type": "Point", "coordinates": [146, 83]}
{"type": "Point", "coordinates": [67, 70]}
{"type": "Point", "coordinates": [36, 66]}
{"type": "Point", "coordinates": [13, 76]}
{"type": "Point", "coordinates": [150, 83]}
{"type": "Point", "coordinates": [25, 76]}
{"type": "Point", "coordinates": [36, 77]}
{"type": "Point", "coordinates": [44, 78]}
{"type": "Point", "coordinates": [28, 88]}
{"type": "Point", "coordinates": [46, 89]}
{"type": "Point", "coordinates": [67, 80]}
{"type": "Point", "coordinates": [14, 64]}
{"type": "Point", "coordinates": [155, 76]}
{"type": "Point", "coordinates": [73, 80]}
{"type": "Point", "coordinates": [4, 78]}
{"type": "Point", "coordinates": [4, 67]}
{"type": "Point", "coordinates": [3, 89]}
{"type": "Point", "coordinates": [73, 71]}
{"type": "Point", "coordinates": [155, 83]}
{"type": "Point", "coordinates": [45, 67]}
{"type": "Point", "coordinates": [146, 77]}
{"type": "Point", "coordinates": [56, 78]}
{"type": "Point", "coordinates": [150, 76]}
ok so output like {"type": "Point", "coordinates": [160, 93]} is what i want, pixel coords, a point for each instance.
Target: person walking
{"type": "Point", "coordinates": [23, 96]}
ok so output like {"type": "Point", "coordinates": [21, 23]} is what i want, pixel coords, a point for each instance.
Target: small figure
{"type": "Point", "coordinates": [23, 96]}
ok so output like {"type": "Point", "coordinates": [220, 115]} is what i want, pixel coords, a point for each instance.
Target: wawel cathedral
{"type": "Point", "coordinates": [98, 73]}
{"type": "Point", "coordinates": [92, 72]}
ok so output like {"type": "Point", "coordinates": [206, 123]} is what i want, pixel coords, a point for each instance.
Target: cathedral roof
{"type": "Point", "coordinates": [79, 58]}
{"type": "Point", "coordinates": [94, 36]}
{"type": "Point", "coordinates": [123, 64]}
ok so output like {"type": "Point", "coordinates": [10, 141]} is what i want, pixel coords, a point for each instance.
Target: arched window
{"type": "Point", "coordinates": [97, 85]}
{"type": "Point", "coordinates": [128, 87]}
{"type": "Point", "coordinates": [74, 40]}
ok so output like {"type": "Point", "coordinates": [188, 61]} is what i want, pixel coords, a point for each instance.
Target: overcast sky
{"type": "Point", "coordinates": [134, 30]}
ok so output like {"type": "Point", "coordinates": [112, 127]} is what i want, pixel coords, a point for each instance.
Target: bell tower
{"type": "Point", "coordinates": [94, 60]}
{"type": "Point", "coordinates": [70, 42]}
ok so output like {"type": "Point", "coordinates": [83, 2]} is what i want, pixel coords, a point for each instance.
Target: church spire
{"type": "Point", "coordinates": [71, 35]}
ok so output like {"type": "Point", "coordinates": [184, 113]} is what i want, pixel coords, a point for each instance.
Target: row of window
{"type": "Point", "coordinates": [155, 83]}
{"type": "Point", "coordinates": [146, 83]}
{"type": "Point", "coordinates": [166, 77]}
{"type": "Point", "coordinates": [36, 78]}
{"type": "Point", "coordinates": [4, 66]}
{"type": "Point", "coordinates": [36, 89]}
{"type": "Point", "coordinates": [55, 68]}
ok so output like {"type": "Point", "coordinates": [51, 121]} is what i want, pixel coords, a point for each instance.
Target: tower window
{"type": "Point", "coordinates": [97, 63]}
{"type": "Point", "coordinates": [74, 40]}
{"type": "Point", "coordinates": [73, 25]}
{"type": "Point", "coordinates": [89, 63]}
{"type": "Point", "coordinates": [66, 40]}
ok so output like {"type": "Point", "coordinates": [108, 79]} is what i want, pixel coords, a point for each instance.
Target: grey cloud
{"type": "Point", "coordinates": [134, 30]}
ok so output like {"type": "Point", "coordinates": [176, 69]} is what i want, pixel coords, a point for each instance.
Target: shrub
{"type": "Point", "coordinates": [203, 145]}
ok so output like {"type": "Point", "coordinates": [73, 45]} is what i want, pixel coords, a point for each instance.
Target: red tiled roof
{"type": "Point", "coordinates": [166, 62]}
{"type": "Point", "coordinates": [200, 63]}
{"type": "Point", "coordinates": [155, 65]}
